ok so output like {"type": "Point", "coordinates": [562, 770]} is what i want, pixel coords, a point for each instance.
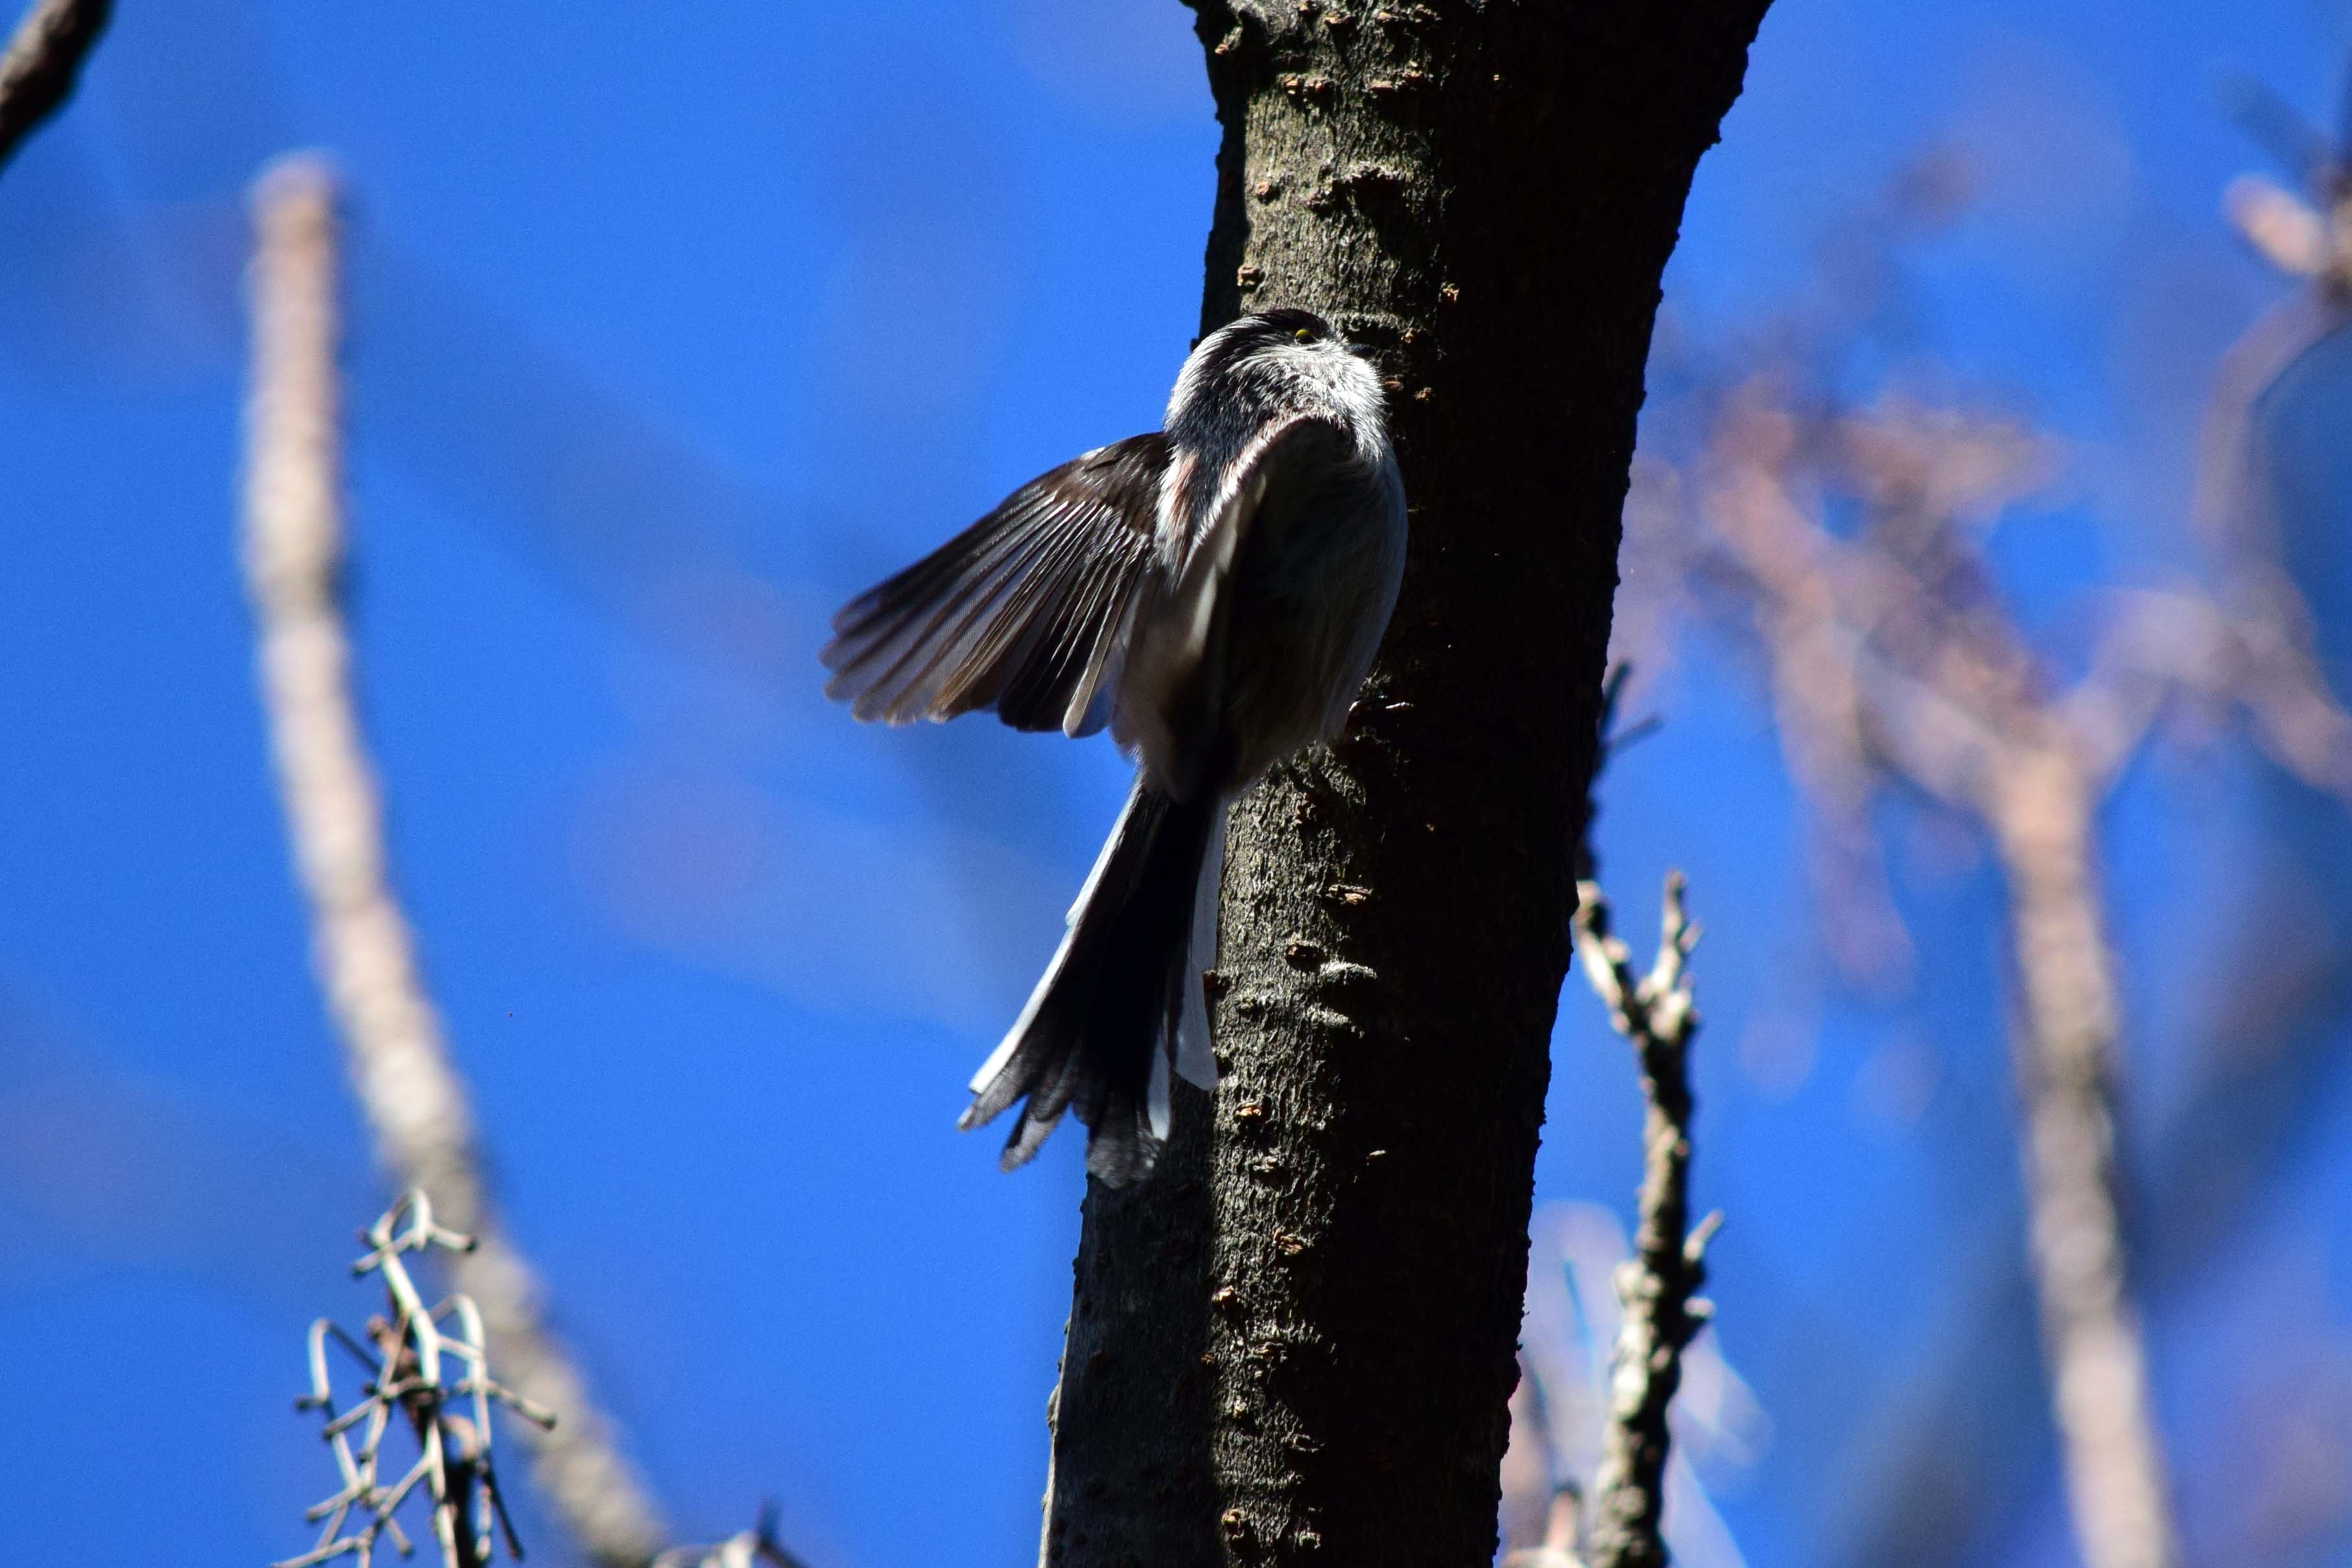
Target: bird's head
{"type": "Point", "coordinates": [1274, 361]}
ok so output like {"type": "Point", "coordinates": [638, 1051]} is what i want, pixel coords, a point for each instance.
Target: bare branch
{"type": "Point", "coordinates": [407, 1374]}
{"type": "Point", "coordinates": [409, 1091]}
{"type": "Point", "coordinates": [1892, 662]}
{"type": "Point", "coordinates": [2231, 505]}
{"type": "Point", "coordinates": [2280, 129]}
{"type": "Point", "coordinates": [1948, 699]}
{"type": "Point", "coordinates": [2250, 647]}
{"type": "Point", "coordinates": [43, 63]}
{"type": "Point", "coordinates": [2066, 1049]}
{"type": "Point", "coordinates": [2284, 230]}
{"type": "Point", "coordinates": [1659, 1285]}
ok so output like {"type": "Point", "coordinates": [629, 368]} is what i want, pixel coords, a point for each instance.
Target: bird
{"type": "Point", "coordinates": [1214, 591]}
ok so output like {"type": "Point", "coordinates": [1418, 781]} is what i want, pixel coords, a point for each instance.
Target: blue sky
{"type": "Point", "coordinates": [668, 333]}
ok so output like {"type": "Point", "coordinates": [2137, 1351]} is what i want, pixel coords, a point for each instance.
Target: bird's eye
{"type": "Point", "coordinates": [1304, 334]}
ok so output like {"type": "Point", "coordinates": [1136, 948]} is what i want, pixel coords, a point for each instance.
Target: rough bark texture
{"type": "Point", "coordinates": [1131, 1480]}
{"type": "Point", "coordinates": [1296, 1341]}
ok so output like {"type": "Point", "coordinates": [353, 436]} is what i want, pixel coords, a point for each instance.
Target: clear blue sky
{"type": "Point", "coordinates": [673, 327]}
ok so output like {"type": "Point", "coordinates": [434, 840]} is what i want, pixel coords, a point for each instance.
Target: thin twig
{"type": "Point", "coordinates": [43, 63]}
{"type": "Point", "coordinates": [409, 1370]}
{"type": "Point", "coordinates": [1658, 1286]}
{"type": "Point", "coordinates": [410, 1092]}
{"type": "Point", "coordinates": [753, 1548]}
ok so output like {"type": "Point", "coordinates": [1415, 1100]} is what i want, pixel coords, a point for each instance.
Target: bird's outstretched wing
{"type": "Point", "coordinates": [1024, 612]}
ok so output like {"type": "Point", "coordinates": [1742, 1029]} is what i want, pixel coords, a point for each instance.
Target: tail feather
{"type": "Point", "coordinates": [1103, 1027]}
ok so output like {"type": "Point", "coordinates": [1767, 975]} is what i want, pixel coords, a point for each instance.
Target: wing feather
{"type": "Point", "coordinates": [1024, 611]}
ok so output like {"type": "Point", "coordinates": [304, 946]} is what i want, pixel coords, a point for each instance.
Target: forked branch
{"type": "Point", "coordinates": [1658, 1286]}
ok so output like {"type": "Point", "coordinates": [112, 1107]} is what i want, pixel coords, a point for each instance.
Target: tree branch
{"type": "Point", "coordinates": [2041, 815]}
{"type": "Point", "coordinates": [43, 63]}
{"type": "Point", "coordinates": [1659, 1285]}
{"type": "Point", "coordinates": [1948, 699]}
{"type": "Point", "coordinates": [415, 1102]}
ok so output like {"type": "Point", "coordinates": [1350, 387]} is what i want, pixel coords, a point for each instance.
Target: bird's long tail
{"type": "Point", "coordinates": [1122, 1005]}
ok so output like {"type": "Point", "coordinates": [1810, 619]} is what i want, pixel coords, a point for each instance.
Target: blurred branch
{"type": "Point", "coordinates": [1943, 694]}
{"type": "Point", "coordinates": [1658, 1286]}
{"type": "Point", "coordinates": [2308, 237]}
{"type": "Point", "coordinates": [1558, 1548]}
{"type": "Point", "coordinates": [2041, 817]}
{"type": "Point", "coordinates": [2230, 506]}
{"type": "Point", "coordinates": [1614, 739]}
{"type": "Point", "coordinates": [43, 63]}
{"type": "Point", "coordinates": [2300, 147]}
{"type": "Point", "coordinates": [414, 1101]}
{"type": "Point", "coordinates": [2283, 229]}
{"type": "Point", "coordinates": [2251, 650]}
{"type": "Point", "coordinates": [1532, 1474]}
{"type": "Point", "coordinates": [1893, 660]}
{"type": "Point", "coordinates": [2247, 644]}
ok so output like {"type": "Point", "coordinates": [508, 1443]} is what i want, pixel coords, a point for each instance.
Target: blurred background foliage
{"type": "Point", "coordinates": [667, 335]}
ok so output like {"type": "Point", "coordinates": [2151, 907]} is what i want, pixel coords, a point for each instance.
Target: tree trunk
{"type": "Point", "coordinates": [1295, 1342]}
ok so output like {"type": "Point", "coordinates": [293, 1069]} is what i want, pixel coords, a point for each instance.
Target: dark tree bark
{"type": "Point", "coordinates": [1293, 1343]}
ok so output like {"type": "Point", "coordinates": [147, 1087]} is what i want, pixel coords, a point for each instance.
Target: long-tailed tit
{"type": "Point", "coordinates": [1214, 591]}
